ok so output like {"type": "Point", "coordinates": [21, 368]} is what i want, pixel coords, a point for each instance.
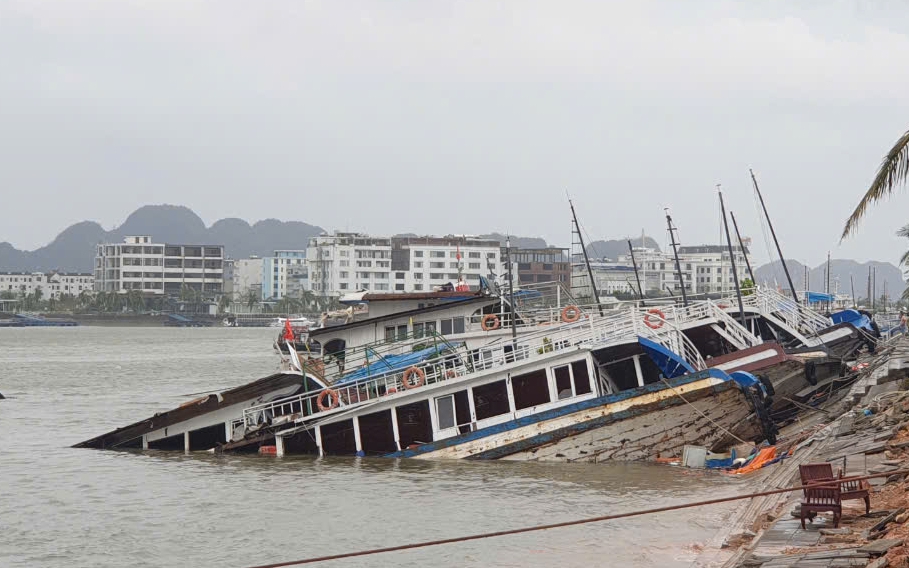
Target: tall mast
{"type": "Point", "coordinates": [514, 330]}
{"type": "Point", "coordinates": [852, 284]}
{"type": "Point", "coordinates": [873, 287]}
{"type": "Point", "coordinates": [593, 283]}
{"type": "Point", "coordinates": [636, 276]}
{"type": "Point", "coordinates": [675, 253]}
{"type": "Point", "coordinates": [773, 233]}
{"type": "Point", "coordinates": [742, 246]}
{"type": "Point", "coordinates": [827, 283]}
{"type": "Point", "coordinates": [735, 274]}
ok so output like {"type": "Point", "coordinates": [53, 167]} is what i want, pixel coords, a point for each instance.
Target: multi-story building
{"type": "Point", "coordinates": [346, 262]}
{"type": "Point", "coordinates": [538, 265]}
{"type": "Point", "coordinates": [247, 275]}
{"type": "Point", "coordinates": [157, 268]}
{"type": "Point", "coordinates": [52, 284]}
{"type": "Point", "coordinates": [280, 271]}
{"type": "Point", "coordinates": [418, 264]}
{"type": "Point", "coordinates": [711, 270]}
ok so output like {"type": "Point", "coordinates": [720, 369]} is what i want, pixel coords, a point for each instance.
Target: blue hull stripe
{"type": "Point", "coordinates": [565, 410]}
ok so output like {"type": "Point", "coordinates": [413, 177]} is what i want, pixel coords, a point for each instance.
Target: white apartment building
{"type": "Point", "coordinates": [284, 274]}
{"type": "Point", "coordinates": [247, 275]}
{"type": "Point", "coordinates": [52, 284]}
{"type": "Point", "coordinates": [346, 262]}
{"type": "Point", "coordinates": [158, 268]}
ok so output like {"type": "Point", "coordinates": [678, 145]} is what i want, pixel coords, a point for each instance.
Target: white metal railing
{"type": "Point", "coordinates": [732, 327]}
{"type": "Point", "coordinates": [459, 362]}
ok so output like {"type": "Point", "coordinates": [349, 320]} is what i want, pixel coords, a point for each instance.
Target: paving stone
{"type": "Point", "coordinates": [880, 547]}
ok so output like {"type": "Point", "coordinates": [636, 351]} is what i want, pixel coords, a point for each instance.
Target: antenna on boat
{"type": "Point", "coordinates": [773, 233]}
{"type": "Point", "coordinates": [735, 274]}
{"type": "Point", "coordinates": [636, 276]}
{"type": "Point", "coordinates": [675, 253]}
{"type": "Point", "coordinates": [742, 246]}
{"type": "Point", "coordinates": [593, 283]}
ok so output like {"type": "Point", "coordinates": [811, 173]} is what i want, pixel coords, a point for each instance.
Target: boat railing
{"type": "Point", "coordinates": [445, 367]}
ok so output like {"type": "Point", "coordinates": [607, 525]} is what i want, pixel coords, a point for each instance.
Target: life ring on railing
{"type": "Point", "coordinates": [450, 373]}
{"type": "Point", "coordinates": [722, 306]}
{"type": "Point", "coordinates": [490, 322]}
{"type": "Point", "coordinates": [421, 378]}
{"type": "Point", "coordinates": [390, 390]}
{"type": "Point", "coordinates": [334, 399]}
{"type": "Point", "coordinates": [654, 323]}
{"type": "Point", "coordinates": [571, 314]}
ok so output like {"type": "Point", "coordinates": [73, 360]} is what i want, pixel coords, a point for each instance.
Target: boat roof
{"type": "Point", "coordinates": [407, 313]}
{"type": "Point", "coordinates": [359, 297]}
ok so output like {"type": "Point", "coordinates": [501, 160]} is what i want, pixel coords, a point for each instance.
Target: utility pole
{"type": "Point", "coordinates": [735, 275]}
{"type": "Point", "coordinates": [773, 233]}
{"type": "Point", "coordinates": [742, 246]}
{"type": "Point", "coordinates": [675, 252]}
{"type": "Point", "coordinates": [636, 276]}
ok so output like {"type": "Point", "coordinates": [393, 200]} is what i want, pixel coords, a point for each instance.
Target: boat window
{"type": "Point", "coordinates": [581, 377]}
{"type": "Point", "coordinates": [390, 333]}
{"type": "Point", "coordinates": [445, 412]}
{"type": "Point", "coordinates": [563, 381]}
{"type": "Point", "coordinates": [414, 425]}
{"type": "Point", "coordinates": [445, 327]}
{"type": "Point", "coordinates": [402, 332]}
{"type": "Point", "coordinates": [458, 325]}
{"type": "Point", "coordinates": [530, 389]}
{"type": "Point", "coordinates": [490, 400]}
{"type": "Point", "coordinates": [377, 435]}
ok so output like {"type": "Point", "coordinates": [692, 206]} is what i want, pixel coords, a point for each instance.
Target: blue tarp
{"type": "Point", "coordinates": [382, 364]}
{"type": "Point", "coordinates": [671, 364]}
{"type": "Point", "coordinates": [817, 297]}
{"type": "Point", "coordinates": [856, 318]}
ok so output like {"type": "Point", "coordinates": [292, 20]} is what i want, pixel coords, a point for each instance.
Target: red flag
{"type": "Point", "coordinates": [288, 332]}
{"type": "Point", "coordinates": [458, 255]}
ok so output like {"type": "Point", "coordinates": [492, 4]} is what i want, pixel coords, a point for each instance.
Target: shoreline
{"type": "Point", "coordinates": [763, 531]}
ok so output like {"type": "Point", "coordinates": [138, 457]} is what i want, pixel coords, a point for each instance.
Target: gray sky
{"type": "Point", "coordinates": [465, 117]}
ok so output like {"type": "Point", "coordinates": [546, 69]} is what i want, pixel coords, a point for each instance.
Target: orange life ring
{"type": "Point", "coordinates": [450, 373]}
{"type": "Point", "coordinates": [421, 378]}
{"type": "Point", "coordinates": [333, 397]}
{"type": "Point", "coordinates": [648, 319]}
{"type": "Point", "coordinates": [390, 390]}
{"type": "Point", "coordinates": [722, 306]}
{"type": "Point", "coordinates": [572, 310]}
{"type": "Point", "coordinates": [487, 326]}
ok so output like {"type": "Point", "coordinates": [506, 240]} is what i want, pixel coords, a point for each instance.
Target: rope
{"type": "Point", "coordinates": [678, 394]}
{"type": "Point", "coordinates": [601, 518]}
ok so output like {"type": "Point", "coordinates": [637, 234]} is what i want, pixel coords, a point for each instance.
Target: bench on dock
{"type": "Point", "coordinates": [821, 498]}
{"type": "Point", "coordinates": [822, 473]}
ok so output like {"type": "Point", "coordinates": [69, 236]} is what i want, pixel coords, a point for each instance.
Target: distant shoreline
{"type": "Point", "coordinates": [122, 320]}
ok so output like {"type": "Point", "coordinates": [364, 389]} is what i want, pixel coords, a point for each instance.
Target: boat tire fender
{"type": "Point", "coordinates": [490, 322]}
{"type": "Point", "coordinates": [410, 372]}
{"type": "Point", "coordinates": [654, 322]}
{"type": "Point", "coordinates": [571, 314]}
{"type": "Point", "coordinates": [328, 399]}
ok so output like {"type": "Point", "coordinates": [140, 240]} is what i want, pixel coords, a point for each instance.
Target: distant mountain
{"type": "Point", "coordinates": [841, 270]}
{"type": "Point", "coordinates": [74, 249]}
{"type": "Point", "coordinates": [613, 248]}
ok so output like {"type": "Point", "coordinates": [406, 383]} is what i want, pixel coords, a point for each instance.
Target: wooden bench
{"type": "Point", "coordinates": [849, 489]}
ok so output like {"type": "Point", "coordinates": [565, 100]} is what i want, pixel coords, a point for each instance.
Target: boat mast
{"type": "Point", "coordinates": [593, 284]}
{"type": "Point", "coordinates": [742, 246]}
{"type": "Point", "coordinates": [514, 330]}
{"type": "Point", "coordinates": [852, 285]}
{"type": "Point", "coordinates": [775, 241]}
{"type": "Point", "coordinates": [827, 283]}
{"type": "Point", "coordinates": [735, 274]}
{"type": "Point", "coordinates": [636, 277]}
{"type": "Point", "coordinates": [675, 253]}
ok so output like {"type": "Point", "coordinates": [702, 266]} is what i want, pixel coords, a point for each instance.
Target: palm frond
{"type": "Point", "coordinates": [894, 171]}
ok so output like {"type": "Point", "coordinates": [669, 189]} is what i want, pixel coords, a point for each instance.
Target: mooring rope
{"type": "Point", "coordinates": [601, 518]}
{"type": "Point", "coordinates": [696, 409]}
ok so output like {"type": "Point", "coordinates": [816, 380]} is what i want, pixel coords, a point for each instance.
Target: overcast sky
{"type": "Point", "coordinates": [457, 117]}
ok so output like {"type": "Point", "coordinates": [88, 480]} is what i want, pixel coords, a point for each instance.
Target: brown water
{"type": "Point", "coordinates": [62, 507]}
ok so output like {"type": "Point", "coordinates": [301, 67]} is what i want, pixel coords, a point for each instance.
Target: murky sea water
{"type": "Point", "coordinates": [62, 507]}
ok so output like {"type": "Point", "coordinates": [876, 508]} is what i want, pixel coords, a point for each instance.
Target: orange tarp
{"type": "Point", "coordinates": [764, 456]}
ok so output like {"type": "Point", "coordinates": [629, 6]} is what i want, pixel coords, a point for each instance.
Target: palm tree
{"type": "Point", "coordinates": [251, 298]}
{"type": "Point", "coordinates": [85, 299]}
{"type": "Point", "coordinates": [894, 171]}
{"type": "Point", "coordinates": [223, 304]}
{"type": "Point", "coordinates": [308, 298]}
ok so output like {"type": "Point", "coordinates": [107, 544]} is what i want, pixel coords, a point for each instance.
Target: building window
{"type": "Point", "coordinates": [399, 287]}
{"type": "Point", "coordinates": [436, 265]}
{"type": "Point", "coordinates": [473, 266]}
{"type": "Point", "coordinates": [417, 275]}
{"type": "Point", "coordinates": [417, 286]}
{"type": "Point", "coordinates": [344, 253]}
{"type": "Point", "coordinates": [343, 274]}
{"type": "Point", "coordinates": [418, 253]}
{"type": "Point", "coordinates": [418, 264]}
{"type": "Point", "coordinates": [399, 275]}
{"type": "Point", "coordinates": [437, 254]}
{"type": "Point", "coordinates": [436, 276]}
{"type": "Point", "coordinates": [453, 265]}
